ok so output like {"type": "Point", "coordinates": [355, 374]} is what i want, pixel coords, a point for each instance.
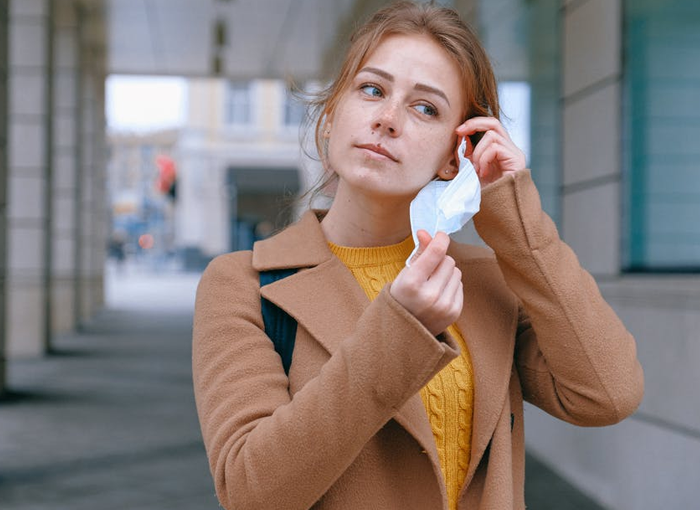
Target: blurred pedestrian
{"type": "Point", "coordinates": [406, 383]}
{"type": "Point", "coordinates": [116, 248]}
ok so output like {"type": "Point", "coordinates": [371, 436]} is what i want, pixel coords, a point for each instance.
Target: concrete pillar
{"type": "Point", "coordinates": [592, 73]}
{"type": "Point", "coordinates": [102, 208]}
{"type": "Point", "coordinates": [54, 227]}
{"type": "Point", "coordinates": [64, 164]}
{"type": "Point", "coordinates": [27, 185]}
{"type": "Point", "coordinates": [48, 174]}
{"type": "Point", "coordinates": [78, 255]}
{"type": "Point", "coordinates": [91, 211]}
{"type": "Point", "coordinates": [4, 171]}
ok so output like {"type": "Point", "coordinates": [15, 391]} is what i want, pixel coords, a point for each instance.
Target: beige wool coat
{"type": "Point", "coordinates": [348, 429]}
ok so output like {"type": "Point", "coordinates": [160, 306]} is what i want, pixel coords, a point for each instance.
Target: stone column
{"type": "Point", "coordinates": [4, 171]}
{"type": "Point", "coordinates": [90, 193]}
{"type": "Point", "coordinates": [55, 173]}
{"type": "Point", "coordinates": [592, 74]}
{"type": "Point", "coordinates": [27, 185]}
{"type": "Point", "coordinates": [78, 255]}
{"type": "Point", "coordinates": [101, 204]}
{"type": "Point", "coordinates": [65, 113]}
{"type": "Point", "coordinates": [48, 174]}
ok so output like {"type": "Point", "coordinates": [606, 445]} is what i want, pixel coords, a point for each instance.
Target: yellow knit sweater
{"type": "Point", "coordinates": [449, 396]}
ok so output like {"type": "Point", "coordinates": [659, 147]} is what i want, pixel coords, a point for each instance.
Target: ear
{"type": "Point", "coordinates": [327, 129]}
{"type": "Point", "coordinates": [449, 170]}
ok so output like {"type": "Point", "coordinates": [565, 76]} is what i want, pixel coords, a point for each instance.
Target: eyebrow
{"type": "Point", "coordinates": [418, 86]}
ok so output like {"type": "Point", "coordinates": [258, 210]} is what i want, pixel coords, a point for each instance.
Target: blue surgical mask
{"type": "Point", "coordinates": [446, 206]}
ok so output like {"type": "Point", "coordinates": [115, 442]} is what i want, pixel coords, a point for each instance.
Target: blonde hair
{"type": "Point", "coordinates": [443, 25]}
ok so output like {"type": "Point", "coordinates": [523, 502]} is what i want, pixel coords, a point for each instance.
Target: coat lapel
{"type": "Point", "coordinates": [323, 296]}
{"type": "Point", "coordinates": [326, 300]}
{"type": "Point", "coordinates": [490, 340]}
{"type": "Point", "coordinates": [413, 417]}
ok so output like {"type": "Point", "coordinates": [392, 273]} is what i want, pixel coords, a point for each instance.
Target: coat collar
{"type": "Point", "coordinates": [304, 246]}
{"type": "Point", "coordinates": [299, 245]}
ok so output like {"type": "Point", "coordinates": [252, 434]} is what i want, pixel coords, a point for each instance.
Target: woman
{"type": "Point", "coordinates": [406, 385]}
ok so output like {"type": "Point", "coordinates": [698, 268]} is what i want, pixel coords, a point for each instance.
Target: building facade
{"type": "Point", "coordinates": [614, 110]}
{"type": "Point", "coordinates": [240, 162]}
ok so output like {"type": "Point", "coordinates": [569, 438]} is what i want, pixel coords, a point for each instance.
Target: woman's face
{"type": "Point", "coordinates": [393, 128]}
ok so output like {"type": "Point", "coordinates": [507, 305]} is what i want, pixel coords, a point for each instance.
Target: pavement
{"type": "Point", "coordinates": [108, 420]}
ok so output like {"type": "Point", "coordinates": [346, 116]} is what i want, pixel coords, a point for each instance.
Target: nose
{"type": "Point", "coordinates": [388, 120]}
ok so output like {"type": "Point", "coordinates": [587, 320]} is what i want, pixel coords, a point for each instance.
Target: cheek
{"type": "Point", "coordinates": [342, 133]}
{"type": "Point", "coordinates": [435, 148]}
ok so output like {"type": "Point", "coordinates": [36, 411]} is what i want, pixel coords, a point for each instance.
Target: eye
{"type": "Point", "coordinates": [371, 90]}
{"type": "Point", "coordinates": [427, 109]}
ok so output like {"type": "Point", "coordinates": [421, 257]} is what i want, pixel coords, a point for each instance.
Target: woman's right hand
{"type": "Point", "coordinates": [431, 288]}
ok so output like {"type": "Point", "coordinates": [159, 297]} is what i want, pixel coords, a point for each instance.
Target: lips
{"type": "Point", "coordinates": [379, 150]}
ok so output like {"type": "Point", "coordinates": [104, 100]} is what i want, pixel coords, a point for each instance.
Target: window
{"type": "Point", "coordinates": [238, 104]}
{"type": "Point", "coordinates": [662, 129]}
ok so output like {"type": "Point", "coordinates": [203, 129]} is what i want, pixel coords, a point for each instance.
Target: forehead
{"type": "Point", "coordinates": [424, 44]}
{"type": "Point", "coordinates": [421, 50]}
{"type": "Point", "coordinates": [416, 58]}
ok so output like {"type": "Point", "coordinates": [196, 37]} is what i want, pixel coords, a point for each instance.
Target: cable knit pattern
{"type": "Point", "coordinates": [449, 397]}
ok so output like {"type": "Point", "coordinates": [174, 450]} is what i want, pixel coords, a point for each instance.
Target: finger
{"type": "Point", "coordinates": [490, 137]}
{"type": "Point", "coordinates": [469, 149]}
{"type": "Point", "coordinates": [458, 297]}
{"type": "Point", "coordinates": [476, 124]}
{"type": "Point", "coordinates": [440, 277]}
{"type": "Point", "coordinates": [473, 137]}
{"type": "Point", "coordinates": [423, 242]}
{"type": "Point", "coordinates": [452, 294]}
{"type": "Point", "coordinates": [488, 163]}
{"type": "Point", "coordinates": [432, 256]}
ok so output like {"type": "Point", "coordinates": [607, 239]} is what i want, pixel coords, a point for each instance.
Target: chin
{"type": "Point", "coordinates": [387, 192]}
{"type": "Point", "coordinates": [380, 183]}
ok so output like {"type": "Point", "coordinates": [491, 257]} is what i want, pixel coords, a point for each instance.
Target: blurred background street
{"type": "Point", "coordinates": [139, 139]}
{"type": "Point", "coordinates": [108, 420]}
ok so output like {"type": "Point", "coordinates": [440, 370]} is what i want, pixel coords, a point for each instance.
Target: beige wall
{"type": "Point", "coordinates": [591, 77]}
{"type": "Point", "coordinates": [650, 460]}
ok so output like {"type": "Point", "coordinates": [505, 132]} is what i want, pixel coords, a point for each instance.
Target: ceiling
{"type": "Point", "coordinates": [264, 38]}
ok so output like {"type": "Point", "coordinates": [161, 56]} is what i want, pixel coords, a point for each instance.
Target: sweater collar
{"type": "Point", "coordinates": [373, 256]}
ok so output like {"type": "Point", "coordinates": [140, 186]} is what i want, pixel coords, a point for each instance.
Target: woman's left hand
{"type": "Point", "coordinates": [495, 154]}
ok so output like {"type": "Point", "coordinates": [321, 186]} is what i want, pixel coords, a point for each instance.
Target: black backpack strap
{"type": "Point", "coordinates": [279, 325]}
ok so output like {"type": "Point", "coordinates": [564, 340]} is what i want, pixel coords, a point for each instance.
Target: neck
{"type": "Point", "coordinates": [356, 219]}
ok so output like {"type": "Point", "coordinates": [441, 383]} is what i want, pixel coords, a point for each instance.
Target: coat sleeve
{"type": "Point", "coordinates": [574, 357]}
{"type": "Point", "coordinates": [267, 450]}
